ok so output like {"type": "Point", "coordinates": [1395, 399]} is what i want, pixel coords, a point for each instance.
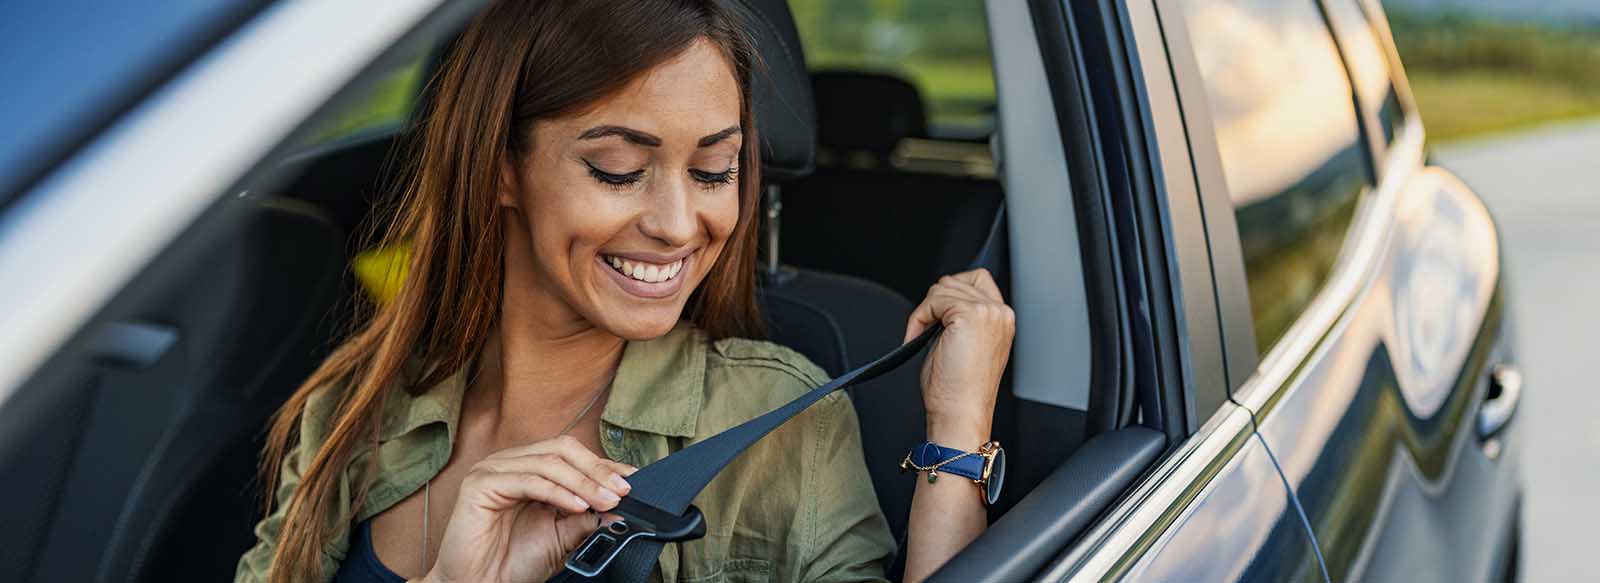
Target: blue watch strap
{"type": "Point", "coordinates": [929, 453]}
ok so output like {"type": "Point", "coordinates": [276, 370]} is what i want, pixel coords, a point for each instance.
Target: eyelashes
{"type": "Point", "coordinates": [709, 180]}
{"type": "Point", "coordinates": [611, 179]}
{"type": "Point", "coordinates": [714, 179]}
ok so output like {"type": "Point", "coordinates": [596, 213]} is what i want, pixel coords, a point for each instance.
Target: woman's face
{"type": "Point", "coordinates": [627, 205]}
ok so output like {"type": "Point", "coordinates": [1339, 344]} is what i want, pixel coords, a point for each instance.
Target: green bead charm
{"type": "Point", "coordinates": [932, 475]}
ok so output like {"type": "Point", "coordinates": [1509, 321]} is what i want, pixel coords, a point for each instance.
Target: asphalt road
{"type": "Point", "coordinates": [1543, 187]}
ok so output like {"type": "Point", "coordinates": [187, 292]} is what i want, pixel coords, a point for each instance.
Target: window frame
{"type": "Point", "coordinates": [1366, 114]}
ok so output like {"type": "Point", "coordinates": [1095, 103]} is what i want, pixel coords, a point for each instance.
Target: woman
{"type": "Point", "coordinates": [579, 302]}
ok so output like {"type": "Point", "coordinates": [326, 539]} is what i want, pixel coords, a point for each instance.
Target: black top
{"type": "Point", "coordinates": [361, 565]}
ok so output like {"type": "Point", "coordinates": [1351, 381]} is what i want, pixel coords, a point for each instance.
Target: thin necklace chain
{"type": "Point", "coordinates": [427, 487]}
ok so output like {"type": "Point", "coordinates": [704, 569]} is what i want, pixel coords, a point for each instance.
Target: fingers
{"type": "Point", "coordinates": [573, 528]}
{"type": "Point", "coordinates": [981, 279]}
{"type": "Point", "coordinates": [953, 294]}
{"type": "Point", "coordinates": [568, 448]}
{"type": "Point", "coordinates": [595, 493]}
{"type": "Point", "coordinates": [584, 480]}
{"type": "Point", "coordinates": [497, 491]}
{"type": "Point", "coordinates": [621, 468]}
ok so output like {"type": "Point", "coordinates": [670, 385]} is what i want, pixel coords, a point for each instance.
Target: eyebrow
{"type": "Point", "coordinates": [644, 139]}
{"type": "Point", "coordinates": [717, 137]}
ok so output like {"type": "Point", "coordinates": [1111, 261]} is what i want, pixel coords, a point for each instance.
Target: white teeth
{"type": "Point", "coordinates": [646, 272]}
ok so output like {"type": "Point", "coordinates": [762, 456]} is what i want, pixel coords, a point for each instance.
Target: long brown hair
{"type": "Point", "coordinates": [517, 62]}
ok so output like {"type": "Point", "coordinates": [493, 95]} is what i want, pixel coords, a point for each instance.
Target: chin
{"type": "Point", "coordinates": [646, 328]}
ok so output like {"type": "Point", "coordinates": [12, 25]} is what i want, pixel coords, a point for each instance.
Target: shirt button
{"type": "Point", "coordinates": [614, 434]}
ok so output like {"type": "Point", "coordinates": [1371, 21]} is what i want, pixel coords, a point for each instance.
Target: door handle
{"type": "Point", "coordinates": [1500, 404]}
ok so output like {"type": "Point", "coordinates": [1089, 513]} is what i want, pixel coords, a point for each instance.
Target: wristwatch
{"type": "Point", "coordinates": [986, 467]}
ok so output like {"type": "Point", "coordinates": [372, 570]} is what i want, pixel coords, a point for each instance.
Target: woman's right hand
{"type": "Point", "coordinates": [520, 511]}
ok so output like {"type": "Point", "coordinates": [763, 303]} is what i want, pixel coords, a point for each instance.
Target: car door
{"type": "Point", "coordinates": [150, 295]}
{"type": "Point", "coordinates": [1214, 506]}
{"type": "Point", "coordinates": [1368, 317]}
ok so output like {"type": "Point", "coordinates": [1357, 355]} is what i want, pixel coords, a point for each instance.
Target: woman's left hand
{"type": "Point", "coordinates": [962, 372]}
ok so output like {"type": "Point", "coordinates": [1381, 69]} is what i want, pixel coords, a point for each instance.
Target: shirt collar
{"type": "Point", "coordinates": [658, 389]}
{"type": "Point", "coordinates": [408, 411]}
{"type": "Point", "coordinates": [660, 384]}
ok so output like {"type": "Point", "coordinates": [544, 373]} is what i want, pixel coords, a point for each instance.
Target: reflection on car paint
{"type": "Point", "coordinates": [1241, 527]}
{"type": "Point", "coordinates": [1368, 457]}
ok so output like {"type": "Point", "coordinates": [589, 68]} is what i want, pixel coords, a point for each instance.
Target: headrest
{"type": "Point", "coordinates": [867, 111]}
{"type": "Point", "coordinates": [786, 118]}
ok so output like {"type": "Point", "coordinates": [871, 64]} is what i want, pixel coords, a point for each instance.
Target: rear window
{"type": "Point", "coordinates": [941, 46]}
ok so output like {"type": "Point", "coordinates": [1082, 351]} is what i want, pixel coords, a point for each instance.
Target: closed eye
{"type": "Point", "coordinates": [613, 179]}
{"type": "Point", "coordinates": [715, 179]}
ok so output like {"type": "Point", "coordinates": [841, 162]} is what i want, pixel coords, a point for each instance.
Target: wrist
{"type": "Point", "coordinates": [966, 432]}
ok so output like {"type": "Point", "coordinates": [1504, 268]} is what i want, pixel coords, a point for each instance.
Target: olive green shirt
{"type": "Point", "coordinates": [797, 506]}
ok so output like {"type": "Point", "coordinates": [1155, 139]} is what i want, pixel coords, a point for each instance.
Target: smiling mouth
{"type": "Point", "coordinates": [642, 271]}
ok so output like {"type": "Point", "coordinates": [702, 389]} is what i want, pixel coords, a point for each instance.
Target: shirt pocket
{"type": "Point", "coordinates": [735, 571]}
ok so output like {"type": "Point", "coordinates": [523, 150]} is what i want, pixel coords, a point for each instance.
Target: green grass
{"type": "Point", "coordinates": [1462, 104]}
{"type": "Point", "coordinates": [1472, 76]}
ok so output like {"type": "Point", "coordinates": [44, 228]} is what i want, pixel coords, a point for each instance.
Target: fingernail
{"type": "Point", "coordinates": [619, 484]}
{"type": "Point", "coordinates": [631, 469]}
{"type": "Point", "coordinates": [580, 503]}
{"type": "Point", "coordinates": [609, 496]}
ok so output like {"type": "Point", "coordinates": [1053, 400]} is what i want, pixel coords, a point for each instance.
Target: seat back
{"type": "Point", "coordinates": [841, 323]}
{"type": "Point", "coordinates": [838, 320]}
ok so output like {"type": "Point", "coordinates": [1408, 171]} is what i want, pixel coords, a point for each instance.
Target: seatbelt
{"type": "Point", "coordinates": [657, 509]}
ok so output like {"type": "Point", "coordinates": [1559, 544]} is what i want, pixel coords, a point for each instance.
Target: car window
{"type": "Point", "coordinates": [941, 46]}
{"type": "Point", "coordinates": [1369, 67]}
{"type": "Point", "coordinates": [1289, 143]}
{"type": "Point", "coordinates": [388, 103]}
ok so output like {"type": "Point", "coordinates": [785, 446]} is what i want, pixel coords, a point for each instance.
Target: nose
{"type": "Point", "coordinates": [670, 215]}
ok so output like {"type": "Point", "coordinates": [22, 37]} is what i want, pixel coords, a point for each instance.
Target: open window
{"type": "Point", "coordinates": [913, 161]}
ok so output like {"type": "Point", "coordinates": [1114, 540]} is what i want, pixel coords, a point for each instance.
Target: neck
{"type": "Point", "coordinates": [535, 378]}
{"type": "Point", "coordinates": [543, 362]}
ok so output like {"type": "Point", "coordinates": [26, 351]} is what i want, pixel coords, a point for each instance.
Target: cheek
{"type": "Point", "coordinates": [570, 221]}
{"type": "Point", "coordinates": [723, 215]}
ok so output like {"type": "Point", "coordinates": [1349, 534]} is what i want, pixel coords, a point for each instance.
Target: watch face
{"type": "Point", "coordinates": [997, 476]}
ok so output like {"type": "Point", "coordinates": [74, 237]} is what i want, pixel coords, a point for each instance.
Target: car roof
{"type": "Point", "coordinates": [72, 66]}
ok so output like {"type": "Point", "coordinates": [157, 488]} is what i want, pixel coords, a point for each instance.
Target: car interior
{"type": "Point", "coordinates": [867, 205]}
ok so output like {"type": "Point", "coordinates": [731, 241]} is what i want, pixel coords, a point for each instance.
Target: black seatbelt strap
{"type": "Point", "coordinates": [657, 509]}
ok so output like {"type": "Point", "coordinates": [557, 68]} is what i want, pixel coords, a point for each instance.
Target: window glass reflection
{"type": "Point", "coordinates": [1290, 146]}
{"type": "Point", "coordinates": [1368, 66]}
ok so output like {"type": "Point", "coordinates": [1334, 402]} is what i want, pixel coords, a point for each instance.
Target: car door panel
{"type": "Point", "coordinates": [1052, 514]}
{"type": "Point", "coordinates": [1377, 431]}
{"type": "Point", "coordinates": [1215, 508]}
{"type": "Point", "coordinates": [1242, 526]}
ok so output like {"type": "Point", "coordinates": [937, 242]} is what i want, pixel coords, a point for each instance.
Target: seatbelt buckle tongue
{"type": "Point", "coordinates": [638, 520]}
